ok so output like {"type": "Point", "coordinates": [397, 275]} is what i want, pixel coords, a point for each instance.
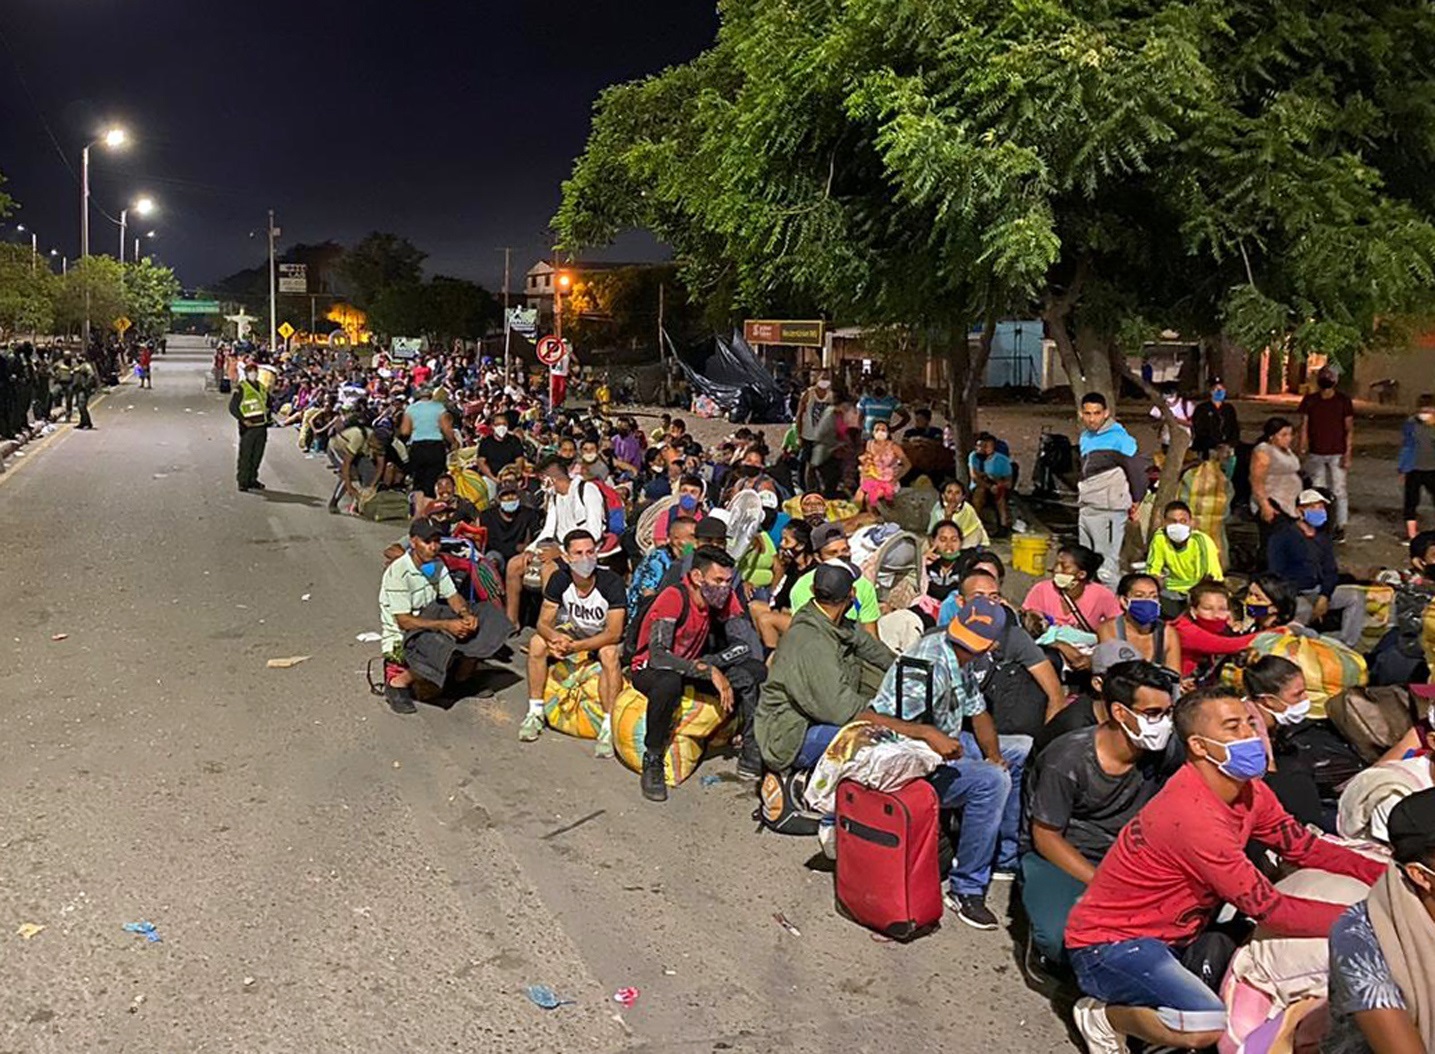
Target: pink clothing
{"type": "Point", "coordinates": [1098, 604]}
{"type": "Point", "coordinates": [876, 490]}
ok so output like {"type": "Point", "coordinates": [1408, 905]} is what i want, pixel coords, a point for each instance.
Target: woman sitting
{"type": "Point", "coordinates": [1073, 604]}
{"type": "Point", "coordinates": [1206, 633]}
{"type": "Point", "coordinates": [953, 505]}
{"type": "Point", "coordinates": [1140, 623]}
{"type": "Point", "coordinates": [794, 559]}
{"type": "Point", "coordinates": [945, 567]}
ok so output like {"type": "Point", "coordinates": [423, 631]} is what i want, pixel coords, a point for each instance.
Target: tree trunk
{"type": "Point", "coordinates": [1171, 470]}
{"type": "Point", "coordinates": [965, 370]}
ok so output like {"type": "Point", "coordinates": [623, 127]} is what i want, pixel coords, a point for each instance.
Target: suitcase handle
{"type": "Point", "coordinates": [856, 829]}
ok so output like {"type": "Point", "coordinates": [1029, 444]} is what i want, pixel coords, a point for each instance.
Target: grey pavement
{"type": "Point", "coordinates": [327, 876]}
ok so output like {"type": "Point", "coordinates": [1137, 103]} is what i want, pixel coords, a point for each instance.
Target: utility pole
{"type": "Point", "coordinates": [273, 306]}
{"type": "Point", "coordinates": [85, 243]}
{"type": "Point", "coordinates": [662, 355]}
{"type": "Point", "coordinates": [507, 329]}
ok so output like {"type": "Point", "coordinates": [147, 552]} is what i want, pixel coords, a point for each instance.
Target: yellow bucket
{"type": "Point", "coordinates": [1028, 553]}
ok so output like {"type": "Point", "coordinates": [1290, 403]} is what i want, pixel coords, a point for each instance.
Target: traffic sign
{"type": "Point", "coordinates": [121, 324]}
{"type": "Point", "coordinates": [194, 307]}
{"type": "Point", "coordinates": [550, 351]}
{"type": "Point", "coordinates": [293, 278]}
{"type": "Point", "coordinates": [285, 330]}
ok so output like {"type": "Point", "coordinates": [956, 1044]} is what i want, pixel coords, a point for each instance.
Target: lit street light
{"type": "Point", "coordinates": [34, 248]}
{"type": "Point", "coordinates": [144, 206]}
{"type": "Point", "coordinates": [112, 138]}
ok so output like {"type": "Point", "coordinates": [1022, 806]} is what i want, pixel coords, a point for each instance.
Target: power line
{"type": "Point", "coordinates": [25, 86]}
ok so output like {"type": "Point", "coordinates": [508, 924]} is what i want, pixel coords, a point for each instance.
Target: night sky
{"type": "Point", "coordinates": [451, 122]}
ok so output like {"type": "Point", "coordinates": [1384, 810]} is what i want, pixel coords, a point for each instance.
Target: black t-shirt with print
{"type": "Point", "coordinates": [587, 614]}
{"type": "Point", "coordinates": [1065, 787]}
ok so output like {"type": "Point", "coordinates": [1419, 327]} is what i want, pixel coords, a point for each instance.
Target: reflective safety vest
{"type": "Point", "coordinates": [253, 402]}
{"type": "Point", "coordinates": [62, 373]}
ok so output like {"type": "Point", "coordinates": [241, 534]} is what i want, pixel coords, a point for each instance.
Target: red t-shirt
{"type": "Point", "coordinates": [1325, 422]}
{"type": "Point", "coordinates": [690, 635]}
{"type": "Point", "coordinates": [1183, 856]}
{"type": "Point", "coordinates": [421, 375]}
{"type": "Point", "coordinates": [145, 356]}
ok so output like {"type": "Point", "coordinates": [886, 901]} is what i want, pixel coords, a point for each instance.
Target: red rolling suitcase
{"type": "Point", "coordinates": [888, 875]}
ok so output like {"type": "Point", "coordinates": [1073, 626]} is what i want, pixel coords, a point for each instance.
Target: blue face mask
{"type": "Point", "coordinates": [687, 503]}
{"type": "Point", "coordinates": [429, 569]}
{"type": "Point", "coordinates": [1258, 611]}
{"type": "Point", "coordinates": [1218, 396]}
{"type": "Point", "coordinates": [508, 506]}
{"type": "Point", "coordinates": [1245, 758]}
{"type": "Point", "coordinates": [1144, 612]}
{"type": "Point", "coordinates": [1315, 517]}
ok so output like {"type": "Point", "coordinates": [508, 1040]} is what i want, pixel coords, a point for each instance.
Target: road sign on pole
{"type": "Point", "coordinates": [286, 331]}
{"type": "Point", "coordinates": [550, 351]}
{"type": "Point", "coordinates": [293, 278]}
{"type": "Point", "coordinates": [121, 324]}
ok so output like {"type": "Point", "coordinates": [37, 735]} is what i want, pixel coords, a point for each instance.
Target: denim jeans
{"type": "Point", "coordinates": [1145, 972]}
{"type": "Point", "coordinates": [989, 798]}
{"type": "Point", "coordinates": [814, 745]}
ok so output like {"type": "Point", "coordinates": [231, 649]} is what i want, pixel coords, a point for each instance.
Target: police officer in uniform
{"type": "Point", "coordinates": [249, 405]}
{"type": "Point", "coordinates": [84, 380]}
{"type": "Point", "coordinates": [63, 374]}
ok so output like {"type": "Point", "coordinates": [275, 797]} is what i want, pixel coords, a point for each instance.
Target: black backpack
{"type": "Point", "coordinates": [1017, 703]}
{"type": "Point", "coordinates": [640, 613]}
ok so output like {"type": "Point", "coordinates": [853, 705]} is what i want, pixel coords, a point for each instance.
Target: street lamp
{"type": "Point", "coordinates": [112, 138]}
{"type": "Point", "coordinates": [34, 248]}
{"type": "Point", "coordinates": [144, 206]}
{"type": "Point", "coordinates": [148, 234]}
{"type": "Point", "coordinates": [563, 283]}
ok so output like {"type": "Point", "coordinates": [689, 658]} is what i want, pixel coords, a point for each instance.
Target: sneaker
{"type": "Point", "coordinates": [401, 700]}
{"type": "Point", "coordinates": [749, 762]}
{"type": "Point", "coordinates": [603, 748]}
{"type": "Point", "coordinates": [531, 726]}
{"type": "Point", "coordinates": [972, 909]}
{"type": "Point", "coordinates": [1091, 1021]}
{"type": "Point", "coordinates": [654, 780]}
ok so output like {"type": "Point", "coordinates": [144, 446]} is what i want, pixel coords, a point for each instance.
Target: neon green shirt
{"type": "Point", "coordinates": [1184, 567]}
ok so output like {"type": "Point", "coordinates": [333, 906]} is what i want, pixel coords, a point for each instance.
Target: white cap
{"type": "Point", "coordinates": [1311, 496]}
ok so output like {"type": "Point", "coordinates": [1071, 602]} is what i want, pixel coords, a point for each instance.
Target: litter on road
{"type": "Point", "coordinates": [284, 664]}
{"type": "Point", "coordinates": [543, 996]}
{"type": "Point", "coordinates": [781, 920]}
{"type": "Point", "coordinates": [145, 929]}
{"type": "Point", "coordinates": [369, 638]}
{"type": "Point", "coordinates": [626, 996]}
{"type": "Point", "coordinates": [60, 636]}
{"type": "Point", "coordinates": [28, 930]}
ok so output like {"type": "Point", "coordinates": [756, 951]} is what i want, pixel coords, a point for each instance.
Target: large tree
{"type": "Point", "coordinates": [104, 277]}
{"type": "Point", "coordinates": [149, 288]}
{"type": "Point", "coordinates": [27, 292]}
{"type": "Point", "coordinates": [380, 263]}
{"type": "Point", "coordinates": [1256, 167]}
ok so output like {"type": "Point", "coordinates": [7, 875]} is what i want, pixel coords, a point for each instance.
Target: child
{"type": "Point", "coordinates": [883, 463]}
{"type": "Point", "coordinates": [1180, 554]}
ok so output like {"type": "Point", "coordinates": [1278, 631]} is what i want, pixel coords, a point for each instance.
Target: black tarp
{"type": "Point", "coordinates": [727, 371]}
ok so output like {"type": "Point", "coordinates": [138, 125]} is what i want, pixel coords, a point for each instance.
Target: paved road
{"type": "Point", "coordinates": [329, 877]}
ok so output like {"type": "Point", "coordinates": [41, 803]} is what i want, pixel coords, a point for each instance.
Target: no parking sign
{"type": "Point", "coordinates": [551, 350]}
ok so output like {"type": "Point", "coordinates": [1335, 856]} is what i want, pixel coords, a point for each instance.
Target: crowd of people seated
{"type": "Point", "coordinates": [1150, 749]}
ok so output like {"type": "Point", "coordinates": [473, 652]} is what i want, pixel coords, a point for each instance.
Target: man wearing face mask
{"type": "Point", "coordinates": [673, 651]}
{"type": "Point", "coordinates": [1081, 791]}
{"type": "Point", "coordinates": [1215, 430]}
{"type": "Point", "coordinates": [512, 526]}
{"type": "Point", "coordinates": [1302, 551]}
{"type": "Point", "coordinates": [1136, 932]}
{"type": "Point", "coordinates": [584, 610]}
{"type": "Point", "coordinates": [1327, 439]}
{"type": "Point", "coordinates": [408, 603]}
{"type": "Point", "coordinates": [499, 450]}
{"type": "Point", "coordinates": [812, 405]}
{"type": "Point", "coordinates": [1181, 554]}
{"type": "Point", "coordinates": [249, 405]}
{"type": "Point", "coordinates": [1382, 950]}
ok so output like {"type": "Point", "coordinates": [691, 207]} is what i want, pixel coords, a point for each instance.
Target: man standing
{"type": "Point", "coordinates": [64, 373]}
{"type": "Point", "coordinates": [1109, 486]}
{"type": "Point", "coordinates": [877, 405]}
{"type": "Point", "coordinates": [249, 405]}
{"type": "Point", "coordinates": [85, 381]}
{"type": "Point", "coordinates": [1327, 436]}
{"type": "Point", "coordinates": [811, 407]}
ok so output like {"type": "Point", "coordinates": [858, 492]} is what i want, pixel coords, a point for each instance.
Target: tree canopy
{"type": "Point", "coordinates": [1253, 168]}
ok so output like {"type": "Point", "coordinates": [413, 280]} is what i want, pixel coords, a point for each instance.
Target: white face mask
{"type": "Point", "coordinates": [1293, 714]}
{"type": "Point", "coordinates": [500, 431]}
{"type": "Point", "coordinates": [824, 384]}
{"type": "Point", "coordinates": [1179, 533]}
{"type": "Point", "coordinates": [1154, 734]}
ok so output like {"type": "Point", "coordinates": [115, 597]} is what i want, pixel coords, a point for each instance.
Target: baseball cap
{"type": "Point", "coordinates": [832, 582]}
{"type": "Point", "coordinates": [425, 530]}
{"type": "Point", "coordinates": [1111, 653]}
{"type": "Point", "coordinates": [1411, 827]}
{"type": "Point", "coordinates": [978, 625]}
{"type": "Point", "coordinates": [1311, 496]}
{"type": "Point", "coordinates": [826, 534]}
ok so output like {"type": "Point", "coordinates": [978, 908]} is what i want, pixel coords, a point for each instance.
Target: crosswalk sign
{"type": "Point", "coordinates": [286, 331]}
{"type": "Point", "coordinates": [121, 324]}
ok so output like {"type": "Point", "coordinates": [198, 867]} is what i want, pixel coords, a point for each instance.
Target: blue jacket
{"type": "Point", "coordinates": [1112, 436]}
{"type": "Point", "coordinates": [1306, 563]}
